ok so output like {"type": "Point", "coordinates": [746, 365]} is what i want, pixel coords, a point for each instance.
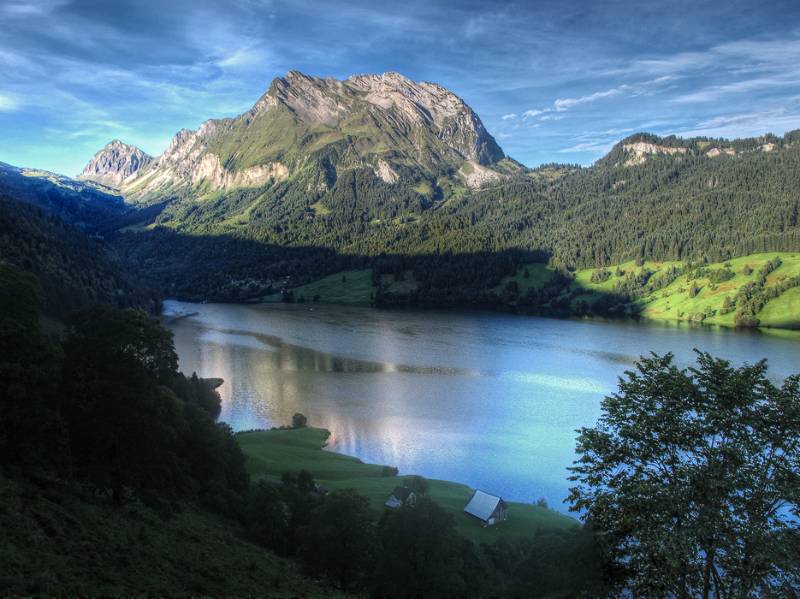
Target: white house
{"type": "Point", "coordinates": [489, 509]}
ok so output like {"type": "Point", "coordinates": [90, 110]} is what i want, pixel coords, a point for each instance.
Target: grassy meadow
{"type": "Point", "coordinates": [271, 453]}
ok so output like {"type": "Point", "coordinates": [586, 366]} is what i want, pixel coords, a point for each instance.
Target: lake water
{"type": "Point", "coordinates": [490, 400]}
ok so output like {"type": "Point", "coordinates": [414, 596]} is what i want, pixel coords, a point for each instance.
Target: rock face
{"type": "Point", "coordinates": [640, 150]}
{"type": "Point", "coordinates": [115, 164]}
{"type": "Point", "coordinates": [386, 123]}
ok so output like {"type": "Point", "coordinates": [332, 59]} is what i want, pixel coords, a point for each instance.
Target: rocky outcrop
{"type": "Point", "coordinates": [387, 122]}
{"type": "Point", "coordinates": [714, 152]}
{"type": "Point", "coordinates": [115, 164]}
{"type": "Point", "coordinates": [476, 175]}
{"type": "Point", "coordinates": [386, 173]}
{"type": "Point", "coordinates": [638, 151]}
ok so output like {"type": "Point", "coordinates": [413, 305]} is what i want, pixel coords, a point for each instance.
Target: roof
{"type": "Point", "coordinates": [402, 493]}
{"type": "Point", "coordinates": [482, 505]}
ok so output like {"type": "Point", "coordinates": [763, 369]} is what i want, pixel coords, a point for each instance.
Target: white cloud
{"type": "Point", "coordinates": [747, 85]}
{"type": "Point", "coordinates": [748, 124]}
{"type": "Point", "coordinates": [532, 113]}
{"type": "Point", "coordinates": [509, 116]}
{"type": "Point", "coordinates": [7, 103]}
{"type": "Point", "coordinates": [586, 147]}
{"type": "Point", "coordinates": [563, 104]}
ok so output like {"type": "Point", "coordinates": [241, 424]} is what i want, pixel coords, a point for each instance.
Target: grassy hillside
{"type": "Point", "coordinates": [60, 542]}
{"type": "Point", "coordinates": [352, 287]}
{"type": "Point", "coordinates": [271, 453]}
{"type": "Point", "coordinates": [700, 299]}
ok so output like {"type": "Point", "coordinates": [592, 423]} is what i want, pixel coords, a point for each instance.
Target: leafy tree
{"type": "Point", "coordinates": [561, 564]}
{"type": "Point", "coordinates": [692, 479]}
{"type": "Point", "coordinates": [267, 516]}
{"type": "Point", "coordinates": [32, 431]}
{"type": "Point", "coordinates": [420, 552]}
{"type": "Point", "coordinates": [299, 420]}
{"type": "Point", "coordinates": [418, 484]}
{"type": "Point", "coordinates": [339, 540]}
{"type": "Point", "coordinates": [123, 424]}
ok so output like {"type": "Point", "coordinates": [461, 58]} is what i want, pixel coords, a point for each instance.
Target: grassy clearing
{"type": "Point", "coordinates": [320, 209]}
{"type": "Point", "coordinates": [538, 275]}
{"type": "Point", "coordinates": [271, 453]}
{"type": "Point", "coordinates": [676, 302]}
{"type": "Point", "coordinates": [352, 287]}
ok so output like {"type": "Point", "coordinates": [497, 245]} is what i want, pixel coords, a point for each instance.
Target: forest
{"type": "Point", "coordinates": [460, 243]}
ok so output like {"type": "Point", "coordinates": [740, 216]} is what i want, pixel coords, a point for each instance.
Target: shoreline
{"type": "Point", "coordinates": [272, 452]}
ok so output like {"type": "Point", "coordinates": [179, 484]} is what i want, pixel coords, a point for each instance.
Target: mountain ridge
{"type": "Point", "coordinates": [388, 123]}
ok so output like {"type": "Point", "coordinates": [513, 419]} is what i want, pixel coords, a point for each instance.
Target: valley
{"type": "Point", "coordinates": [359, 256]}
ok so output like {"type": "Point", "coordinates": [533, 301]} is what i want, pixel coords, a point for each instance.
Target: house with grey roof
{"type": "Point", "coordinates": [487, 508]}
{"type": "Point", "coordinates": [401, 496]}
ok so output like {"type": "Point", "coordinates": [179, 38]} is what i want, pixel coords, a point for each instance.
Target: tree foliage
{"type": "Point", "coordinates": [692, 479]}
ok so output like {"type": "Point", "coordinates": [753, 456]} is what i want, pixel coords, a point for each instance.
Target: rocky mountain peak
{"type": "Point", "coordinates": [115, 163]}
{"type": "Point", "coordinates": [386, 122]}
{"type": "Point", "coordinates": [398, 99]}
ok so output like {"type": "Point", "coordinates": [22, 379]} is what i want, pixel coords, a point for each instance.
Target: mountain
{"type": "Point", "coordinates": [115, 164]}
{"type": "Point", "coordinates": [53, 227]}
{"type": "Point", "coordinates": [312, 131]}
{"type": "Point", "coordinates": [87, 205]}
{"type": "Point", "coordinates": [380, 172]}
{"type": "Point", "coordinates": [74, 270]}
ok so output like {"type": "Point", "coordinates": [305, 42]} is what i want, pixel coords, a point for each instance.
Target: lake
{"type": "Point", "coordinates": [489, 400]}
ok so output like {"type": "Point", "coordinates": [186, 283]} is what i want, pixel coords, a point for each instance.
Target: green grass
{"type": "Point", "coordinates": [539, 275]}
{"type": "Point", "coordinates": [674, 302]}
{"type": "Point", "coordinates": [271, 453]}
{"type": "Point", "coordinates": [320, 209]}
{"type": "Point", "coordinates": [352, 287]}
{"type": "Point", "coordinates": [783, 311]}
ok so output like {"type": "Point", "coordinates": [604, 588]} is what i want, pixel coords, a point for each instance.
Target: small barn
{"type": "Point", "coordinates": [489, 509]}
{"type": "Point", "coordinates": [401, 496]}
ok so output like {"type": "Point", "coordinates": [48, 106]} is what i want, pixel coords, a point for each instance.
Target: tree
{"type": "Point", "coordinates": [123, 420]}
{"type": "Point", "coordinates": [32, 432]}
{"type": "Point", "coordinates": [420, 552]}
{"type": "Point", "coordinates": [692, 479]}
{"type": "Point", "coordinates": [267, 516]}
{"type": "Point", "coordinates": [339, 539]}
{"type": "Point", "coordinates": [418, 484]}
{"type": "Point", "coordinates": [299, 420]}
{"type": "Point", "coordinates": [566, 563]}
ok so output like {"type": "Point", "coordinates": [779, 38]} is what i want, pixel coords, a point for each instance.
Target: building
{"type": "Point", "coordinates": [489, 509]}
{"type": "Point", "coordinates": [401, 496]}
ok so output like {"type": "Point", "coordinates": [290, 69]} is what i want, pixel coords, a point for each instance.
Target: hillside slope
{"type": "Point", "coordinates": [74, 270]}
{"type": "Point", "coordinates": [59, 542]}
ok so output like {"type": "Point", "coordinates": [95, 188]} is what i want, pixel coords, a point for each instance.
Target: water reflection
{"type": "Point", "coordinates": [489, 400]}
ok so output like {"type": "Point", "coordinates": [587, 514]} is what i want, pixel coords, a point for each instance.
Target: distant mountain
{"type": "Point", "coordinates": [311, 131]}
{"type": "Point", "coordinates": [75, 271]}
{"type": "Point", "coordinates": [115, 164]}
{"type": "Point", "coordinates": [85, 204]}
{"type": "Point", "coordinates": [322, 174]}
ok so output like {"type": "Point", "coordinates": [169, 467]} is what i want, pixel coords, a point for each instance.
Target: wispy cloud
{"type": "Point", "coordinates": [75, 73]}
{"type": "Point", "coordinates": [7, 103]}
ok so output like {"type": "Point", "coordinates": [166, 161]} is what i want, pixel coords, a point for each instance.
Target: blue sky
{"type": "Point", "coordinates": [552, 81]}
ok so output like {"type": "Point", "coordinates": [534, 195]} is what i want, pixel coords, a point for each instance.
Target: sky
{"type": "Point", "coordinates": [558, 81]}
